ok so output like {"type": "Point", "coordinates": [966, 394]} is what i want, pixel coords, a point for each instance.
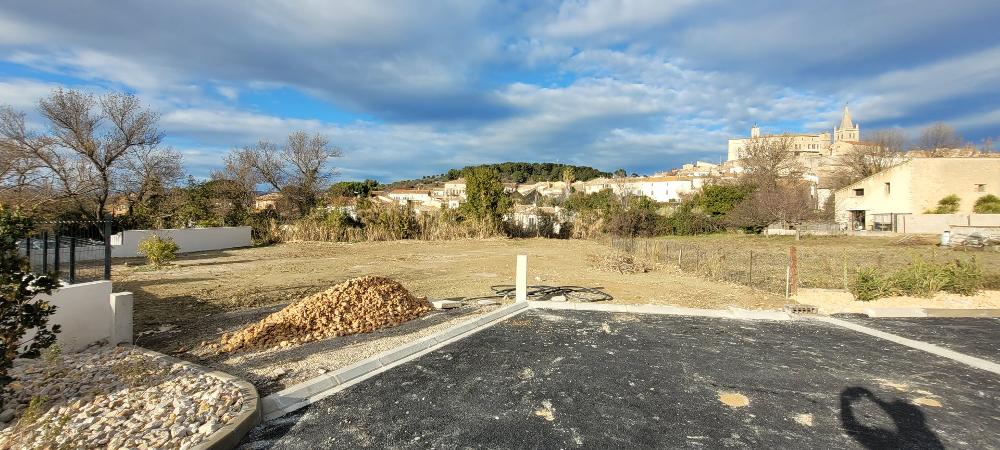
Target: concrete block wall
{"type": "Point", "coordinates": [89, 313]}
{"type": "Point", "coordinates": [126, 243]}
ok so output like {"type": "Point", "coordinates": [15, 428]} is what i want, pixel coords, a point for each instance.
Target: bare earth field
{"type": "Point", "coordinates": [211, 283]}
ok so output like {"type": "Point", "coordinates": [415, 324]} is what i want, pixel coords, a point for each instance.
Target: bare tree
{"type": "Point", "coordinates": [789, 201]}
{"type": "Point", "coordinates": [882, 150]}
{"type": "Point", "coordinates": [299, 169]}
{"type": "Point", "coordinates": [84, 155]}
{"type": "Point", "coordinates": [148, 171]}
{"type": "Point", "coordinates": [768, 159]}
{"type": "Point", "coordinates": [938, 136]}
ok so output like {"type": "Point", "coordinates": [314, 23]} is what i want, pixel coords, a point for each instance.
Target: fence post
{"type": "Point", "coordinates": [680, 252]}
{"type": "Point", "coordinates": [521, 279]}
{"type": "Point", "coordinates": [793, 270]}
{"type": "Point", "coordinates": [45, 252]}
{"type": "Point", "coordinates": [107, 247]}
{"type": "Point", "coordinates": [56, 257]}
{"type": "Point", "coordinates": [72, 259]}
{"type": "Point", "coordinates": [750, 271]}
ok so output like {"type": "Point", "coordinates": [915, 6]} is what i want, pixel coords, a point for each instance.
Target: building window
{"type": "Point", "coordinates": [980, 188]}
{"type": "Point", "coordinates": [888, 189]}
{"type": "Point", "coordinates": [859, 192]}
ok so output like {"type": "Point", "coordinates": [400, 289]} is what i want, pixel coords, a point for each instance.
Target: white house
{"type": "Point", "coordinates": [658, 188]}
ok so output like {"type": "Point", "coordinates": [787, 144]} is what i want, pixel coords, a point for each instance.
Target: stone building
{"type": "Point", "coordinates": [915, 187]}
{"type": "Point", "coordinates": [843, 138]}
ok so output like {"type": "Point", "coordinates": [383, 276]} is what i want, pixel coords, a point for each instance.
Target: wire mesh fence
{"type": "Point", "coordinates": [767, 271]}
{"type": "Point", "coordinates": [781, 266]}
{"type": "Point", "coordinates": [74, 251]}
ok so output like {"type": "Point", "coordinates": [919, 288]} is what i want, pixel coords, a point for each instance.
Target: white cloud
{"type": "Point", "coordinates": [581, 18]}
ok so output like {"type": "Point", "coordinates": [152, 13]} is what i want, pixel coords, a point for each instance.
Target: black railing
{"type": "Point", "coordinates": [74, 251]}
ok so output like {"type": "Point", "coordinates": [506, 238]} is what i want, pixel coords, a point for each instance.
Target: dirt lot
{"type": "Point", "coordinates": [200, 287]}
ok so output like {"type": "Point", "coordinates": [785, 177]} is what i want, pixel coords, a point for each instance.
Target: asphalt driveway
{"type": "Point", "coordinates": [574, 379]}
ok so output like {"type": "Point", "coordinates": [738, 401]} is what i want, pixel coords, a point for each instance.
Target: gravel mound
{"type": "Point", "coordinates": [358, 305]}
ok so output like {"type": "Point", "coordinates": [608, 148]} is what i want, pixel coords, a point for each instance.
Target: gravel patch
{"type": "Point", "coordinates": [276, 368]}
{"type": "Point", "coordinates": [113, 397]}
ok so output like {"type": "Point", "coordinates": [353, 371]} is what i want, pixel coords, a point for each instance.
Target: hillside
{"type": "Point", "coordinates": [516, 172]}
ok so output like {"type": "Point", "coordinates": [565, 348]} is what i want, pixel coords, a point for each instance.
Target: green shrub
{"type": "Point", "coordinates": [947, 205]}
{"type": "Point", "coordinates": [919, 278]}
{"type": "Point", "coordinates": [987, 204]}
{"type": "Point", "coordinates": [868, 284]}
{"type": "Point", "coordinates": [158, 251]}
{"type": "Point", "coordinates": [964, 277]}
{"type": "Point", "coordinates": [21, 309]}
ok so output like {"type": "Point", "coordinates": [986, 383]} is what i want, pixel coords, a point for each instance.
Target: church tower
{"type": "Point", "coordinates": [848, 130]}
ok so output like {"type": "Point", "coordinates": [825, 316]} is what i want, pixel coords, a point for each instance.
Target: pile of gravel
{"type": "Point", "coordinates": [359, 305]}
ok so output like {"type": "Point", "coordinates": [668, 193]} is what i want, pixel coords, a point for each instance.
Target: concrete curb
{"type": "Point", "coordinates": [913, 312]}
{"type": "Point", "coordinates": [317, 388]}
{"type": "Point", "coordinates": [743, 314]}
{"type": "Point", "coordinates": [919, 345]}
{"type": "Point", "coordinates": [230, 435]}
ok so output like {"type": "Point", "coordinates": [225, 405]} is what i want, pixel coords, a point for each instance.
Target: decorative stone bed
{"type": "Point", "coordinates": [121, 397]}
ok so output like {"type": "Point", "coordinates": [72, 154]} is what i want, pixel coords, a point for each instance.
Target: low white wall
{"type": "Point", "coordinates": [88, 313]}
{"type": "Point", "coordinates": [125, 244]}
{"type": "Point", "coordinates": [937, 223]}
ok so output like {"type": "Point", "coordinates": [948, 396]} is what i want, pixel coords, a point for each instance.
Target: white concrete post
{"type": "Point", "coordinates": [121, 314]}
{"type": "Point", "coordinates": [521, 279]}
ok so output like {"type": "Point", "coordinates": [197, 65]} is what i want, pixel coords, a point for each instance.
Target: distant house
{"type": "Point", "coordinates": [915, 187]}
{"type": "Point", "coordinates": [408, 196]}
{"type": "Point", "coordinates": [267, 201]}
{"type": "Point", "coordinates": [455, 188]}
{"type": "Point", "coordinates": [664, 189]}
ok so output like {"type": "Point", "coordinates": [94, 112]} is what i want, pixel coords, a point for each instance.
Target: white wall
{"type": "Point", "coordinates": [89, 312]}
{"type": "Point", "coordinates": [937, 223]}
{"type": "Point", "coordinates": [125, 244]}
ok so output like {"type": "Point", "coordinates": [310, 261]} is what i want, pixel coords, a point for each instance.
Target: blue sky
{"type": "Point", "coordinates": [413, 88]}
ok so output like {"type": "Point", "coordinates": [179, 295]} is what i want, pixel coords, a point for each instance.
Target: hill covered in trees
{"type": "Point", "coordinates": [514, 172]}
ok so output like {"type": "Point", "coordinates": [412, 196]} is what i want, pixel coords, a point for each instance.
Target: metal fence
{"type": "Point", "coordinates": [74, 251]}
{"type": "Point", "coordinates": [767, 271]}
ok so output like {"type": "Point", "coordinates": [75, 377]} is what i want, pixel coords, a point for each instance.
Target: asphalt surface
{"type": "Point", "coordinates": [974, 336]}
{"type": "Point", "coordinates": [573, 379]}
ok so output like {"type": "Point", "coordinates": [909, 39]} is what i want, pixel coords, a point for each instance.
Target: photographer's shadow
{"type": "Point", "coordinates": [911, 426]}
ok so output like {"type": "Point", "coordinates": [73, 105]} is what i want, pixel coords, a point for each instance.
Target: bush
{"type": "Point", "coordinates": [868, 284]}
{"type": "Point", "coordinates": [947, 205]}
{"type": "Point", "coordinates": [987, 204]}
{"type": "Point", "coordinates": [920, 278]}
{"type": "Point", "coordinates": [158, 251]}
{"type": "Point", "coordinates": [965, 278]}
{"type": "Point", "coordinates": [20, 308]}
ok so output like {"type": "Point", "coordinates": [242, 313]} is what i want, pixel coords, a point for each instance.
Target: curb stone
{"type": "Point", "coordinates": [742, 314]}
{"type": "Point", "coordinates": [230, 435]}
{"type": "Point", "coordinates": [314, 389]}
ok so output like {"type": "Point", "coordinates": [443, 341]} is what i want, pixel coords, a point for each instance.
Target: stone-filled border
{"type": "Point", "coordinates": [230, 435]}
{"type": "Point", "coordinates": [317, 388]}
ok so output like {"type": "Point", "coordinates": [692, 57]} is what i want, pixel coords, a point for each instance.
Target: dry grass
{"type": "Point", "coordinates": [824, 261]}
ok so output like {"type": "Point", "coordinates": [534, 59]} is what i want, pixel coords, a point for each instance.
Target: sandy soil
{"type": "Point", "coordinates": [837, 301]}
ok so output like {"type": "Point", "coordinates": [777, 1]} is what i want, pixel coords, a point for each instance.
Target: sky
{"type": "Point", "coordinates": [413, 88]}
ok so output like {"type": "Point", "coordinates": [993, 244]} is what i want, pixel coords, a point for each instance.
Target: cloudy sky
{"type": "Point", "coordinates": [413, 88]}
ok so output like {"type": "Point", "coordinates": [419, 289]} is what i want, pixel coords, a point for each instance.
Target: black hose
{"type": "Point", "coordinates": [544, 292]}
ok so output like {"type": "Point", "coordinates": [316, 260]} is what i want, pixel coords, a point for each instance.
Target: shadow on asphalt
{"type": "Point", "coordinates": [910, 423]}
